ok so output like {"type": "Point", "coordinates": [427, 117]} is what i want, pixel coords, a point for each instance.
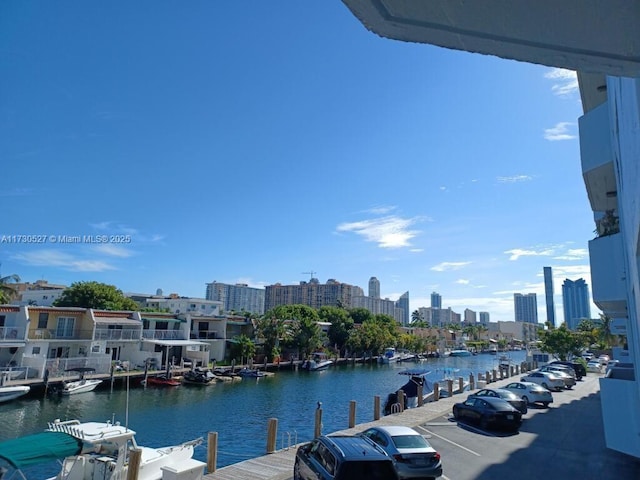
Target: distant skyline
{"type": "Point", "coordinates": [253, 143]}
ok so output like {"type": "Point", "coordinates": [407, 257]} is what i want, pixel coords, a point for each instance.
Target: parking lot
{"type": "Point", "coordinates": [564, 441]}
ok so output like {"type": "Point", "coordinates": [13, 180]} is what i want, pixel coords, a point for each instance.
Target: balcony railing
{"type": "Point", "coordinates": [164, 335]}
{"type": "Point", "coordinates": [55, 334]}
{"type": "Point", "coordinates": [206, 335]}
{"type": "Point", "coordinates": [118, 334]}
{"type": "Point", "coordinates": [11, 333]}
{"type": "Point", "coordinates": [608, 275]}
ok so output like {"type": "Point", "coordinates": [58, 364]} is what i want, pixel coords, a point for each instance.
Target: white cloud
{"type": "Point", "coordinates": [416, 250]}
{"type": "Point", "coordinates": [516, 253]}
{"type": "Point", "coordinates": [559, 132]}
{"type": "Point", "coordinates": [514, 179]}
{"type": "Point", "coordinates": [573, 254]}
{"type": "Point", "coordinates": [445, 266]}
{"type": "Point", "coordinates": [381, 209]}
{"type": "Point", "coordinates": [387, 232]}
{"type": "Point", "coordinates": [565, 82]}
{"type": "Point", "coordinates": [52, 258]}
{"type": "Point", "coordinates": [462, 281]}
{"type": "Point", "coordinates": [113, 250]}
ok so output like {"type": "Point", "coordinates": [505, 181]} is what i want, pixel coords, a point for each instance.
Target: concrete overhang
{"type": "Point", "coordinates": [592, 36]}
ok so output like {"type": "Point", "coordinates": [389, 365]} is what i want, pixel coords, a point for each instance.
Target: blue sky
{"type": "Point", "coordinates": [253, 141]}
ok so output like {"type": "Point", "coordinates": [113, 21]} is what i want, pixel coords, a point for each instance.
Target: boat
{"type": "Point", "coordinates": [390, 355]}
{"type": "Point", "coordinates": [198, 376]}
{"type": "Point", "coordinates": [319, 361]}
{"type": "Point", "coordinates": [460, 352]}
{"type": "Point", "coordinates": [100, 450]}
{"type": "Point", "coordinates": [250, 373]}
{"type": "Point", "coordinates": [161, 381]}
{"type": "Point", "coordinates": [82, 384]}
{"type": "Point", "coordinates": [11, 392]}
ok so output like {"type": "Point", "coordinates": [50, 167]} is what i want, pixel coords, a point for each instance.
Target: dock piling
{"type": "Point", "coordinates": [212, 451]}
{"type": "Point", "coordinates": [376, 407]}
{"type": "Point", "coordinates": [352, 413]}
{"type": "Point", "coordinates": [272, 433]}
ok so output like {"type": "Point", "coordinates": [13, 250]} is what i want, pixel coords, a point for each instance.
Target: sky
{"type": "Point", "coordinates": [256, 142]}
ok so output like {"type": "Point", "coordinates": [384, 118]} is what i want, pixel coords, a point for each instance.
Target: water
{"type": "Point", "coordinates": [238, 411]}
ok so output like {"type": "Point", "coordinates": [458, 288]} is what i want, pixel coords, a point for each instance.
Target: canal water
{"type": "Point", "coordinates": [238, 411]}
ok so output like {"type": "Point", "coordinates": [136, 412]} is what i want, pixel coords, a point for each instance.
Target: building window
{"type": "Point", "coordinates": [43, 319]}
{"type": "Point", "coordinates": [65, 327]}
{"type": "Point", "coordinates": [95, 349]}
{"type": "Point", "coordinates": [35, 351]}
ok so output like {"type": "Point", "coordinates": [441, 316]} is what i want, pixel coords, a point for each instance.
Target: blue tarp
{"type": "Point", "coordinates": [39, 448]}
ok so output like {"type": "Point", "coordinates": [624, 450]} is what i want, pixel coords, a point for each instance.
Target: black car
{"type": "Point", "coordinates": [343, 457]}
{"type": "Point", "coordinates": [488, 412]}
{"type": "Point", "coordinates": [510, 397]}
{"type": "Point", "coordinates": [579, 368]}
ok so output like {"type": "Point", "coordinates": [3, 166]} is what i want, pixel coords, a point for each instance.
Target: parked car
{"type": "Point", "coordinates": [569, 379]}
{"type": "Point", "coordinates": [413, 456]}
{"type": "Point", "coordinates": [577, 367]}
{"type": "Point", "coordinates": [510, 397]}
{"type": "Point", "coordinates": [530, 392]}
{"type": "Point", "coordinates": [488, 412]}
{"type": "Point", "coordinates": [343, 457]}
{"type": "Point", "coordinates": [594, 366]}
{"type": "Point", "coordinates": [546, 379]}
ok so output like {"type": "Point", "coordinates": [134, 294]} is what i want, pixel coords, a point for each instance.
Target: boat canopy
{"type": "Point", "coordinates": [39, 448]}
{"type": "Point", "coordinates": [415, 372]}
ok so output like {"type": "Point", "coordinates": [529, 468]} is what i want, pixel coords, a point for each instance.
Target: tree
{"type": "Point", "coordinates": [360, 315]}
{"type": "Point", "coordinates": [273, 331]}
{"type": "Point", "coordinates": [562, 342]}
{"type": "Point", "coordinates": [243, 347]}
{"type": "Point", "coordinates": [7, 291]}
{"type": "Point", "coordinates": [306, 336]}
{"type": "Point", "coordinates": [95, 295]}
{"type": "Point", "coordinates": [416, 317]}
{"type": "Point", "coordinates": [341, 325]}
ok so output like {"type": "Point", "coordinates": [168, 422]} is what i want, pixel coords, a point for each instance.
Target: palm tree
{"type": "Point", "coordinates": [8, 292]}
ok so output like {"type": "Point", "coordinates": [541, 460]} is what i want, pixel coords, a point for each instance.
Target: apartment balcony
{"type": "Point", "coordinates": [618, 326]}
{"type": "Point", "coordinates": [163, 335]}
{"type": "Point", "coordinates": [621, 414]}
{"type": "Point", "coordinates": [206, 335]}
{"type": "Point", "coordinates": [608, 275]}
{"type": "Point", "coordinates": [596, 154]}
{"type": "Point", "coordinates": [11, 334]}
{"type": "Point", "coordinates": [123, 334]}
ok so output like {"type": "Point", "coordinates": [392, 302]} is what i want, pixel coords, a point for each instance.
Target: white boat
{"type": "Point", "coordinates": [460, 352]}
{"type": "Point", "coordinates": [81, 385]}
{"type": "Point", "coordinates": [390, 355]}
{"type": "Point", "coordinates": [8, 393]}
{"type": "Point", "coordinates": [100, 450]}
{"type": "Point", "coordinates": [319, 361]}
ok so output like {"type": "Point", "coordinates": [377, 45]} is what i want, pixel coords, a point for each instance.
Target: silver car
{"type": "Point", "coordinates": [530, 392]}
{"type": "Point", "coordinates": [412, 455]}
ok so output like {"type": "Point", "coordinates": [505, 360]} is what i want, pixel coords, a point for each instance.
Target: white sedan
{"type": "Point", "coordinates": [545, 379]}
{"type": "Point", "coordinates": [530, 392]}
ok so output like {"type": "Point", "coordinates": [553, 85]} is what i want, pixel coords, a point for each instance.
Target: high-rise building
{"type": "Point", "coordinates": [312, 293]}
{"type": "Point", "coordinates": [436, 300]}
{"type": "Point", "coordinates": [237, 298]}
{"type": "Point", "coordinates": [403, 303]}
{"type": "Point", "coordinates": [379, 305]}
{"type": "Point", "coordinates": [548, 296]}
{"type": "Point", "coordinates": [374, 287]}
{"type": "Point", "coordinates": [526, 307]}
{"type": "Point", "coordinates": [575, 302]}
{"type": "Point", "coordinates": [469, 317]}
{"type": "Point", "coordinates": [484, 318]}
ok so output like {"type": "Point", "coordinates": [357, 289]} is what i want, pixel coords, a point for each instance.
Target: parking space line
{"type": "Point", "coordinates": [450, 441]}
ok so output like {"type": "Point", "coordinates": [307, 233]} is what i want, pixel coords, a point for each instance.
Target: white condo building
{"type": "Point", "coordinates": [600, 41]}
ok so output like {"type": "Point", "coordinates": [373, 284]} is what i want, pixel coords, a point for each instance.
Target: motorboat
{"type": "Point", "coordinates": [319, 361]}
{"type": "Point", "coordinates": [82, 384]}
{"type": "Point", "coordinates": [460, 352]}
{"type": "Point", "coordinates": [198, 376]}
{"type": "Point", "coordinates": [248, 372]}
{"type": "Point", "coordinates": [161, 381]}
{"type": "Point", "coordinates": [11, 392]}
{"type": "Point", "coordinates": [390, 355]}
{"type": "Point", "coordinates": [100, 450]}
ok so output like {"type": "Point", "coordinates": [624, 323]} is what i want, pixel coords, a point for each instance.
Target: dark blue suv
{"type": "Point", "coordinates": [342, 457]}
